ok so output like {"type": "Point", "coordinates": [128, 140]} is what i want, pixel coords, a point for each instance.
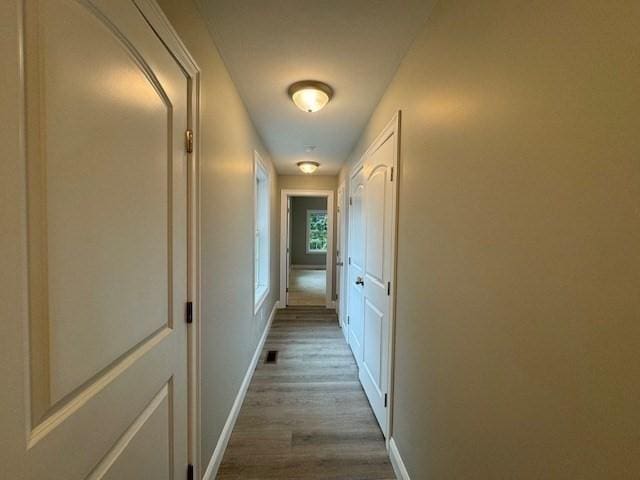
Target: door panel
{"type": "Point", "coordinates": [356, 265]}
{"type": "Point", "coordinates": [378, 247]}
{"type": "Point", "coordinates": [375, 219]}
{"type": "Point", "coordinates": [85, 248]}
{"type": "Point", "coordinates": [143, 450]}
{"type": "Point", "coordinates": [373, 321]}
{"type": "Point", "coordinates": [106, 235]}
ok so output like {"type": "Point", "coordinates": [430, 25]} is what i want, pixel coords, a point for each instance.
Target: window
{"type": "Point", "coordinates": [261, 240]}
{"type": "Point", "coordinates": [316, 231]}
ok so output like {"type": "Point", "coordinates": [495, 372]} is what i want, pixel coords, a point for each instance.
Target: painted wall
{"type": "Point", "coordinates": [312, 182]}
{"type": "Point", "coordinates": [13, 248]}
{"type": "Point", "coordinates": [230, 331]}
{"type": "Point", "coordinates": [308, 182]}
{"type": "Point", "coordinates": [518, 315]}
{"type": "Point", "coordinates": [299, 208]}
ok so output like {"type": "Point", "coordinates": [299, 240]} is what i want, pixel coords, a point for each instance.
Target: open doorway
{"type": "Point", "coordinates": [308, 240]}
{"type": "Point", "coordinates": [307, 244]}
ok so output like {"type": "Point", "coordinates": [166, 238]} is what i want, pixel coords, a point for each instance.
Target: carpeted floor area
{"type": "Point", "coordinates": [307, 287]}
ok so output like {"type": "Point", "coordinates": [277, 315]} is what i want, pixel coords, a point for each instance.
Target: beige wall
{"type": "Point", "coordinates": [308, 182]}
{"type": "Point", "coordinates": [518, 316]}
{"type": "Point", "coordinates": [230, 331]}
{"type": "Point", "coordinates": [313, 182]}
{"type": "Point", "coordinates": [13, 249]}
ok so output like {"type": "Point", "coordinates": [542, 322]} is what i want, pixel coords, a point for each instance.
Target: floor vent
{"type": "Point", "coordinates": [272, 356]}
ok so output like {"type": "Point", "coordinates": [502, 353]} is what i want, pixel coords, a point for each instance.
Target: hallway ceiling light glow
{"type": "Point", "coordinates": [308, 166]}
{"type": "Point", "coordinates": [310, 95]}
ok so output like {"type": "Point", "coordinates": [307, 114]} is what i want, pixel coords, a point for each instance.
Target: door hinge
{"type": "Point", "coordinates": [349, 260]}
{"type": "Point", "coordinates": [350, 200]}
{"type": "Point", "coordinates": [189, 312]}
{"type": "Point", "coordinates": [348, 320]}
{"type": "Point", "coordinates": [388, 288]}
{"type": "Point", "coordinates": [392, 174]}
{"type": "Point", "coordinates": [385, 400]}
{"type": "Point", "coordinates": [190, 474]}
{"type": "Point", "coordinates": [188, 141]}
{"type": "Point", "coordinates": [287, 289]}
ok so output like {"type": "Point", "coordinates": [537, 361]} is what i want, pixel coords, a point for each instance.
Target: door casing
{"type": "Point", "coordinates": [285, 195]}
{"type": "Point", "coordinates": [341, 250]}
{"type": "Point", "coordinates": [163, 28]}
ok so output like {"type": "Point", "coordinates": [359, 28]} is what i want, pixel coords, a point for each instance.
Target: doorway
{"type": "Point", "coordinates": [307, 246]}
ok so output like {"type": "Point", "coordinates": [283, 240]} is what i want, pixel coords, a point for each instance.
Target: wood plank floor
{"type": "Point", "coordinates": [306, 416]}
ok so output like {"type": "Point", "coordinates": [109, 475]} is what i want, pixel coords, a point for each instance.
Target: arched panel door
{"type": "Point", "coordinates": [105, 239]}
{"type": "Point", "coordinates": [379, 245]}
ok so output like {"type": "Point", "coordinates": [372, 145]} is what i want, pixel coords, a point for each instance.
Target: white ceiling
{"type": "Point", "coordinates": [353, 45]}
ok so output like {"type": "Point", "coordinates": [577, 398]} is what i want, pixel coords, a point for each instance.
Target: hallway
{"type": "Point", "coordinates": [306, 416]}
{"type": "Point", "coordinates": [320, 240]}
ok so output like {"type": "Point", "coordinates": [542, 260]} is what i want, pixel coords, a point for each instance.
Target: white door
{"type": "Point", "coordinates": [340, 234]}
{"type": "Point", "coordinates": [379, 244]}
{"type": "Point", "coordinates": [101, 253]}
{"type": "Point", "coordinates": [355, 283]}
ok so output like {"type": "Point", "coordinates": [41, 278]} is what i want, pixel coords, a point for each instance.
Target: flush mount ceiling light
{"type": "Point", "coordinates": [310, 95]}
{"type": "Point", "coordinates": [308, 166]}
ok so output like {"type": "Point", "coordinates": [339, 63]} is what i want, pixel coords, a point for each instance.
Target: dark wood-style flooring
{"type": "Point", "coordinates": [306, 416]}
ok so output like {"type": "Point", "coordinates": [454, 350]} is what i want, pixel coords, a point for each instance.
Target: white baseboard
{"type": "Point", "coordinates": [396, 461]}
{"type": "Point", "coordinates": [218, 453]}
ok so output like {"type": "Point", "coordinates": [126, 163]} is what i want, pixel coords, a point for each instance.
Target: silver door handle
{"type": "Point", "coordinates": [360, 281]}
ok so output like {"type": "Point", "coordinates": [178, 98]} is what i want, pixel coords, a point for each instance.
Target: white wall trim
{"type": "Point", "coordinates": [396, 461]}
{"type": "Point", "coordinates": [218, 453]}
{"type": "Point", "coordinates": [341, 255]}
{"type": "Point", "coordinates": [165, 31]}
{"type": "Point", "coordinates": [260, 169]}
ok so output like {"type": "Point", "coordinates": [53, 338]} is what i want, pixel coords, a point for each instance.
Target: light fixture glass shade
{"type": "Point", "coordinates": [308, 167]}
{"type": "Point", "coordinates": [310, 95]}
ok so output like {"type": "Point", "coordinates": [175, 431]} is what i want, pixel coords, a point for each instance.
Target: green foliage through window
{"type": "Point", "coordinates": [317, 231]}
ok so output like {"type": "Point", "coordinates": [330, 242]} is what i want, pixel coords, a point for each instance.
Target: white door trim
{"type": "Point", "coordinates": [284, 195]}
{"type": "Point", "coordinates": [165, 31]}
{"type": "Point", "coordinates": [341, 302]}
{"type": "Point", "coordinates": [392, 128]}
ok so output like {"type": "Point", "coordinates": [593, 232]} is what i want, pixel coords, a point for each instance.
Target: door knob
{"type": "Point", "coordinates": [360, 281]}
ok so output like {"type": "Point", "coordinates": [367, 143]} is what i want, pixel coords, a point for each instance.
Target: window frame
{"type": "Point", "coordinates": [261, 232]}
{"type": "Point", "coordinates": [310, 212]}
